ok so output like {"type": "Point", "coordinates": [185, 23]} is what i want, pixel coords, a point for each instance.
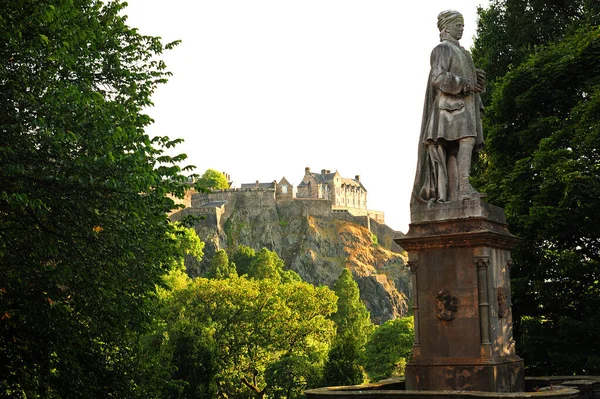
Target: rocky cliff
{"type": "Point", "coordinates": [312, 239]}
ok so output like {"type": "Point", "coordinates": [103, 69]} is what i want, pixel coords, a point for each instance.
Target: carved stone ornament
{"type": "Point", "coordinates": [502, 303]}
{"type": "Point", "coordinates": [447, 305]}
{"type": "Point", "coordinates": [413, 265]}
{"type": "Point", "coordinates": [482, 262]}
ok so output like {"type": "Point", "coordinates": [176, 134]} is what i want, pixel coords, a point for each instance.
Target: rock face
{"type": "Point", "coordinates": [312, 239]}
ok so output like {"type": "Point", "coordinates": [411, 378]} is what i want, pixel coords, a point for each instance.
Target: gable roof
{"type": "Point", "coordinates": [323, 178]}
{"type": "Point", "coordinates": [352, 182]}
{"type": "Point", "coordinates": [284, 181]}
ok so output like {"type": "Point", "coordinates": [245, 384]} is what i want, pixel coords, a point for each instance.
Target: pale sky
{"type": "Point", "coordinates": [262, 89]}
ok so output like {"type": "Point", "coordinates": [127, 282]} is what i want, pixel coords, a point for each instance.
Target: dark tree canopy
{"type": "Point", "coordinates": [510, 30]}
{"type": "Point", "coordinates": [542, 164]}
{"type": "Point", "coordinates": [84, 236]}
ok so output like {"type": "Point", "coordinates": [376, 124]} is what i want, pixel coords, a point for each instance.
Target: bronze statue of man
{"type": "Point", "coordinates": [451, 125]}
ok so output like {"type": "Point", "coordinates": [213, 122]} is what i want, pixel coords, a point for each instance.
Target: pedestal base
{"type": "Point", "coordinates": [459, 256]}
{"type": "Point", "coordinates": [503, 377]}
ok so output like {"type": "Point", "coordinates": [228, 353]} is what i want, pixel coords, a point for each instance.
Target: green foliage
{"type": "Point", "coordinates": [352, 316]}
{"type": "Point", "coordinates": [289, 376]}
{"type": "Point", "coordinates": [243, 258]}
{"type": "Point", "coordinates": [212, 180]}
{"type": "Point", "coordinates": [179, 362]}
{"type": "Point", "coordinates": [510, 30]}
{"type": "Point", "coordinates": [247, 337]}
{"type": "Point", "coordinates": [262, 265]}
{"type": "Point", "coordinates": [230, 233]}
{"type": "Point", "coordinates": [187, 243]}
{"type": "Point", "coordinates": [343, 363]}
{"type": "Point", "coordinates": [220, 267]}
{"type": "Point", "coordinates": [388, 348]}
{"type": "Point", "coordinates": [374, 240]}
{"type": "Point", "coordinates": [353, 327]}
{"type": "Point", "coordinates": [542, 165]}
{"type": "Point", "coordinates": [268, 265]}
{"type": "Point", "coordinates": [84, 236]}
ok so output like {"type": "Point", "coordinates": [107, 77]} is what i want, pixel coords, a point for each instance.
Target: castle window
{"type": "Point", "coordinates": [284, 189]}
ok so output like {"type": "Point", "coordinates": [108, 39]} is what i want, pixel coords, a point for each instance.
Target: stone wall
{"type": "Point", "coordinates": [372, 220]}
{"type": "Point", "coordinates": [210, 215]}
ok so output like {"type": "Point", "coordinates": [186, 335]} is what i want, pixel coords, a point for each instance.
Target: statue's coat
{"type": "Point", "coordinates": [450, 112]}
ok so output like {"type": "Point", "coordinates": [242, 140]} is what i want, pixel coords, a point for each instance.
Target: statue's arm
{"type": "Point", "coordinates": [443, 79]}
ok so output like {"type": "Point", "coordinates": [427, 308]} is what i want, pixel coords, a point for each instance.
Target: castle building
{"type": "Point", "coordinates": [341, 191]}
{"type": "Point", "coordinates": [323, 192]}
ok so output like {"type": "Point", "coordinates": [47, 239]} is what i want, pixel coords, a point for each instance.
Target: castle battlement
{"type": "Point", "coordinates": [340, 194]}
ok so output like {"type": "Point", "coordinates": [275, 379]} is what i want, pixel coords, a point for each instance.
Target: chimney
{"type": "Point", "coordinates": [323, 171]}
{"type": "Point", "coordinates": [307, 170]}
{"type": "Point", "coordinates": [357, 178]}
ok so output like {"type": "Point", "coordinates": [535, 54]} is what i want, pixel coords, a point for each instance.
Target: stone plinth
{"type": "Point", "coordinates": [459, 256]}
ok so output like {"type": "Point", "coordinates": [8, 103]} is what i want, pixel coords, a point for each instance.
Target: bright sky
{"type": "Point", "coordinates": [262, 89]}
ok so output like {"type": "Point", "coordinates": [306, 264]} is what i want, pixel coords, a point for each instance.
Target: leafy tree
{"type": "Point", "coordinates": [177, 359]}
{"type": "Point", "coordinates": [541, 164]}
{"type": "Point", "coordinates": [187, 243]}
{"type": "Point", "coordinates": [343, 363]}
{"type": "Point", "coordinates": [242, 258]}
{"type": "Point", "coordinates": [508, 31]}
{"type": "Point", "coordinates": [353, 327]}
{"type": "Point", "coordinates": [84, 236]}
{"type": "Point", "coordinates": [258, 329]}
{"type": "Point", "coordinates": [289, 376]}
{"type": "Point", "coordinates": [220, 267]}
{"type": "Point", "coordinates": [388, 348]}
{"type": "Point", "coordinates": [268, 265]}
{"type": "Point", "coordinates": [212, 180]}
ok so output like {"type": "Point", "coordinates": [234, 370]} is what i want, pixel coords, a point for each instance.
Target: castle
{"type": "Point", "coordinates": [319, 193]}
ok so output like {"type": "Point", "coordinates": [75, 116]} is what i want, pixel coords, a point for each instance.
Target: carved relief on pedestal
{"type": "Point", "coordinates": [482, 262]}
{"type": "Point", "coordinates": [502, 303]}
{"type": "Point", "coordinates": [447, 305]}
{"type": "Point", "coordinates": [413, 265]}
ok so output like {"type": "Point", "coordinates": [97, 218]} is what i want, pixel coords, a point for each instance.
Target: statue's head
{"type": "Point", "coordinates": [451, 24]}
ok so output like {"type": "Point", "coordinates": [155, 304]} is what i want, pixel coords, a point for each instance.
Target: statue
{"type": "Point", "coordinates": [451, 124]}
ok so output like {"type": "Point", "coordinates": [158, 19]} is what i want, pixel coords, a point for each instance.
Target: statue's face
{"type": "Point", "coordinates": [455, 28]}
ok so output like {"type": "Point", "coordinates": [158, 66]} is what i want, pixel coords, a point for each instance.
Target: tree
{"type": "Point", "coordinates": [541, 164]}
{"type": "Point", "coordinates": [242, 258]}
{"type": "Point", "coordinates": [84, 236]}
{"type": "Point", "coordinates": [388, 348]}
{"type": "Point", "coordinates": [212, 180]}
{"type": "Point", "coordinates": [259, 330]}
{"type": "Point", "coordinates": [268, 265]}
{"type": "Point", "coordinates": [289, 376]}
{"type": "Point", "coordinates": [353, 326]}
{"type": "Point", "coordinates": [510, 30]}
{"type": "Point", "coordinates": [220, 267]}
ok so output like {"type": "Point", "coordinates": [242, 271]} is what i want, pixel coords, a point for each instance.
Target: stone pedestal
{"type": "Point", "coordinates": [459, 256]}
